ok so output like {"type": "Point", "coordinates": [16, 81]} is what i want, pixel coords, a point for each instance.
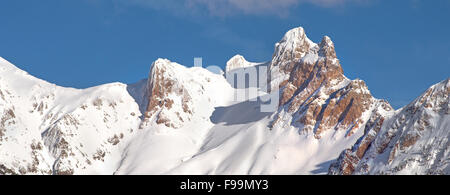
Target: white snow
{"type": "Point", "coordinates": [237, 62]}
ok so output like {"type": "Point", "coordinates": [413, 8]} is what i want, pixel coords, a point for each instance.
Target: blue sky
{"type": "Point", "coordinates": [398, 47]}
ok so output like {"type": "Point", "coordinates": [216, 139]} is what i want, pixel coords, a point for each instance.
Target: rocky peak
{"type": "Point", "coordinates": [436, 98]}
{"type": "Point", "coordinates": [293, 46]}
{"type": "Point", "coordinates": [166, 91]}
{"type": "Point", "coordinates": [316, 90]}
{"type": "Point", "coordinates": [326, 41]}
{"type": "Point", "coordinates": [327, 48]}
{"type": "Point", "coordinates": [297, 59]}
{"type": "Point", "coordinates": [177, 95]}
{"type": "Point", "coordinates": [319, 67]}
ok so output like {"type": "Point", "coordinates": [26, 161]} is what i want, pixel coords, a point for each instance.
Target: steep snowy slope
{"type": "Point", "coordinates": [413, 141]}
{"type": "Point", "coordinates": [321, 113]}
{"type": "Point", "coordinates": [46, 129]}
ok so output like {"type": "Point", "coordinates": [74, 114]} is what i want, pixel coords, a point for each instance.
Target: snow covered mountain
{"type": "Point", "coordinates": [46, 129]}
{"type": "Point", "coordinates": [415, 140]}
{"type": "Point", "coordinates": [187, 121]}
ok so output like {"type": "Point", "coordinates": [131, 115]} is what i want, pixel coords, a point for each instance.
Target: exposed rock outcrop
{"type": "Point", "coordinates": [166, 92]}
{"type": "Point", "coordinates": [175, 92]}
{"type": "Point", "coordinates": [316, 93]}
{"type": "Point", "coordinates": [288, 52]}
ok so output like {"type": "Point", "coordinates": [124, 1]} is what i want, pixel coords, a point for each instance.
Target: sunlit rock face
{"type": "Point", "coordinates": [315, 94]}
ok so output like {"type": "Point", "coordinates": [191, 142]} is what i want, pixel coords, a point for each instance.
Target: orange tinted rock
{"type": "Point", "coordinates": [311, 92]}
{"type": "Point", "coordinates": [351, 158]}
{"type": "Point", "coordinates": [287, 94]}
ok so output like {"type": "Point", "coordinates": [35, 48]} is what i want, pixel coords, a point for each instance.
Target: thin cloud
{"type": "Point", "coordinates": [225, 8]}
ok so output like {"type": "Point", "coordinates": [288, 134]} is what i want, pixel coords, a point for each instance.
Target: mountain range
{"type": "Point", "coordinates": [184, 120]}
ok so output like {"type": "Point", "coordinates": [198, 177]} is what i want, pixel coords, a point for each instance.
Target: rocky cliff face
{"type": "Point", "coordinates": [316, 95]}
{"type": "Point", "coordinates": [167, 91]}
{"type": "Point", "coordinates": [415, 140]}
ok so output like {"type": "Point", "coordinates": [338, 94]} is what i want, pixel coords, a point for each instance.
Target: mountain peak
{"type": "Point", "coordinates": [165, 80]}
{"type": "Point", "coordinates": [435, 98]}
{"type": "Point", "coordinates": [294, 35]}
{"type": "Point", "coordinates": [160, 61]}
{"type": "Point", "coordinates": [326, 40]}
{"type": "Point", "coordinates": [163, 64]}
{"type": "Point", "coordinates": [327, 48]}
{"type": "Point", "coordinates": [236, 62]}
{"type": "Point", "coordinates": [315, 89]}
{"type": "Point", "coordinates": [445, 84]}
{"type": "Point", "coordinates": [165, 69]}
{"type": "Point", "coordinates": [292, 47]}
{"type": "Point", "coordinates": [175, 94]}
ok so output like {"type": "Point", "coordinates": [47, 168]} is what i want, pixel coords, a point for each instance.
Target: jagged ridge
{"type": "Point", "coordinates": [413, 141]}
